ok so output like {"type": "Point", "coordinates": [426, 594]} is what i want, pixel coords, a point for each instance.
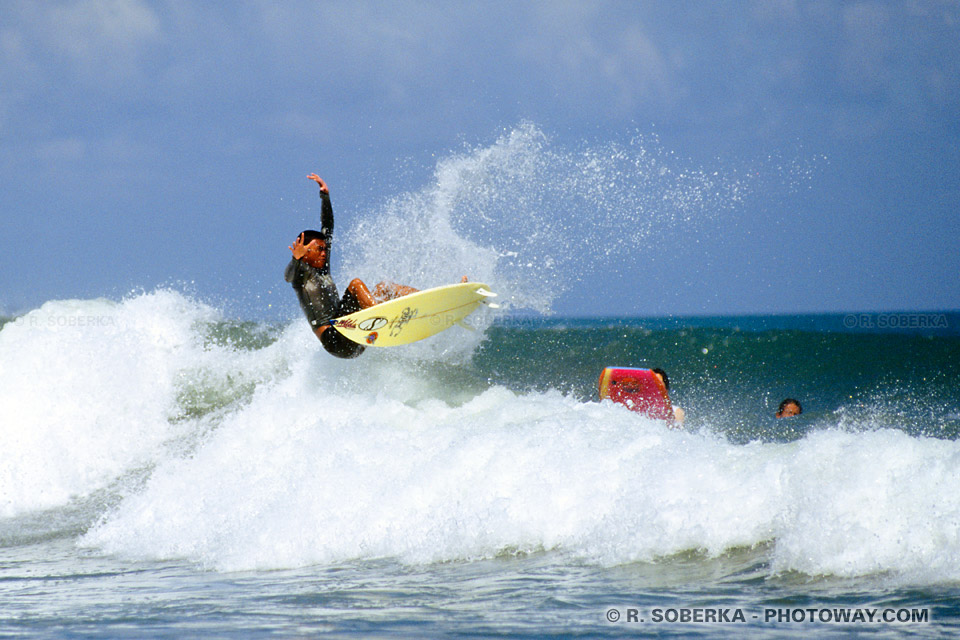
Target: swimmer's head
{"type": "Point", "coordinates": [663, 377]}
{"type": "Point", "coordinates": [789, 408]}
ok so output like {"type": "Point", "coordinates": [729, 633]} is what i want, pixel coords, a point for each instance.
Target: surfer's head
{"type": "Point", "coordinates": [789, 408]}
{"type": "Point", "coordinates": [317, 248]}
{"type": "Point", "coordinates": [663, 377]}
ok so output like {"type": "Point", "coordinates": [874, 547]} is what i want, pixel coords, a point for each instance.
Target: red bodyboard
{"type": "Point", "coordinates": [639, 390]}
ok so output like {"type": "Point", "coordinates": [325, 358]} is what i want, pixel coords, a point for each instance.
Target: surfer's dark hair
{"type": "Point", "coordinates": [663, 374]}
{"type": "Point", "coordinates": [310, 235]}
{"type": "Point", "coordinates": [787, 402]}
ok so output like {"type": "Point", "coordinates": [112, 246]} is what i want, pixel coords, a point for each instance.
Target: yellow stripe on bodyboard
{"type": "Point", "coordinates": [413, 317]}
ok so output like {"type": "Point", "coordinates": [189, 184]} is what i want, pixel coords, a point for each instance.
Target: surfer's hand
{"type": "Point", "coordinates": [319, 181]}
{"type": "Point", "coordinates": [297, 248]}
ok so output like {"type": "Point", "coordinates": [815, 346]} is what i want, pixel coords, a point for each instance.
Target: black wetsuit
{"type": "Point", "coordinates": [318, 294]}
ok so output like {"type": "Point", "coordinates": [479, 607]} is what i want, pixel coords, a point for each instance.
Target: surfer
{"type": "Point", "coordinates": [309, 273]}
{"type": "Point", "coordinates": [678, 413]}
{"type": "Point", "coordinates": [789, 408]}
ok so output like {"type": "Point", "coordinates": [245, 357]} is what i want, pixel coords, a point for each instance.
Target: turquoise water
{"type": "Point", "coordinates": [732, 372]}
{"type": "Point", "coordinates": [168, 472]}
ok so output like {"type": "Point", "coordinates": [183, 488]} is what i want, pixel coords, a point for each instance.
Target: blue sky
{"type": "Point", "coordinates": [149, 143]}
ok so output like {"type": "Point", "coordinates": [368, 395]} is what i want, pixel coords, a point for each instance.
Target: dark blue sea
{"type": "Point", "coordinates": [166, 471]}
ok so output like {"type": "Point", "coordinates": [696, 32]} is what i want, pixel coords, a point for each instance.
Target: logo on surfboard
{"type": "Point", "coordinates": [372, 324]}
{"type": "Point", "coordinates": [398, 324]}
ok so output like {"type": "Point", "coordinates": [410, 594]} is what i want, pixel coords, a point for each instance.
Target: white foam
{"type": "Point", "coordinates": [86, 389]}
{"type": "Point", "coordinates": [872, 502]}
{"type": "Point", "coordinates": [335, 463]}
{"type": "Point", "coordinates": [330, 460]}
{"type": "Point", "coordinates": [92, 390]}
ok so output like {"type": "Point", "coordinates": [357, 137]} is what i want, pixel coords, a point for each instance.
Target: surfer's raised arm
{"type": "Point", "coordinates": [326, 211]}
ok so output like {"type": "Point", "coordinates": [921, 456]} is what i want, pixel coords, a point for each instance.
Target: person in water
{"type": "Point", "coordinates": [789, 408]}
{"type": "Point", "coordinates": [678, 413]}
{"type": "Point", "coordinates": [309, 273]}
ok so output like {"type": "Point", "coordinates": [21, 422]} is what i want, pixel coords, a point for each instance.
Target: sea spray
{"type": "Point", "coordinates": [529, 216]}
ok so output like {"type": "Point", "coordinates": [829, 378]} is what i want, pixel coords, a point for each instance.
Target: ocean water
{"type": "Point", "coordinates": [170, 472]}
{"type": "Point", "coordinates": [169, 469]}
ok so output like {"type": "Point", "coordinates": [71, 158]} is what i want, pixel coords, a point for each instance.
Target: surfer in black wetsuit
{"type": "Point", "coordinates": [309, 273]}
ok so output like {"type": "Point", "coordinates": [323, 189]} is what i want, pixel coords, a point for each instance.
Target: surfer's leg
{"type": "Point", "coordinates": [389, 290]}
{"type": "Point", "coordinates": [357, 295]}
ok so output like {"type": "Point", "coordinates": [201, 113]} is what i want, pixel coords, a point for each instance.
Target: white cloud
{"type": "Point", "coordinates": [100, 37]}
{"type": "Point", "coordinates": [13, 51]}
{"type": "Point", "coordinates": [15, 65]}
{"type": "Point", "coordinates": [394, 49]}
{"type": "Point", "coordinates": [866, 64]}
{"type": "Point", "coordinates": [598, 52]}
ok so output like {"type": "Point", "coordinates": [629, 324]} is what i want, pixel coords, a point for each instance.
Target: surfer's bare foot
{"type": "Point", "coordinates": [464, 279]}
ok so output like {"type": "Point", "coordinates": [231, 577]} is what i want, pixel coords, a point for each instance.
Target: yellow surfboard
{"type": "Point", "coordinates": [414, 317]}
